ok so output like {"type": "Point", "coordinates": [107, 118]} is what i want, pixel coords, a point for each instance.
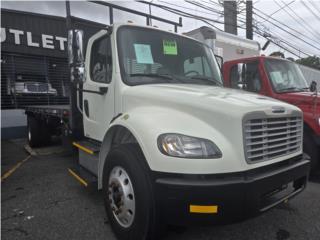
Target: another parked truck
{"type": "Point", "coordinates": [165, 141]}
{"type": "Point", "coordinates": [280, 79]}
{"type": "Point", "coordinates": [274, 77]}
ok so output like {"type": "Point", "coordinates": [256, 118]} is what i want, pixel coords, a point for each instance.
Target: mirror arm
{"type": "Point", "coordinates": [78, 100]}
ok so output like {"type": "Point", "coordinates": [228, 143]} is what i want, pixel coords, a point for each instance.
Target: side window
{"type": "Point", "coordinates": [101, 61]}
{"type": "Point", "coordinates": [252, 77]}
{"type": "Point", "coordinates": [246, 76]}
{"type": "Point", "coordinates": [197, 66]}
{"type": "Point", "coordinates": [235, 77]}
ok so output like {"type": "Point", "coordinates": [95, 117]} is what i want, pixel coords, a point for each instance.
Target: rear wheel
{"type": "Point", "coordinates": [128, 194]}
{"type": "Point", "coordinates": [38, 132]}
{"type": "Point", "coordinates": [311, 149]}
{"type": "Point", "coordinates": [34, 132]}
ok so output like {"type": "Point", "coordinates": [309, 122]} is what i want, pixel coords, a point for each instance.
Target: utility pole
{"type": "Point", "coordinates": [249, 19]}
{"type": "Point", "coordinates": [230, 17]}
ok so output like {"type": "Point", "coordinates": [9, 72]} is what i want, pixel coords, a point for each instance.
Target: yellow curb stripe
{"type": "Point", "coordinates": [83, 148]}
{"type": "Point", "coordinates": [83, 182]}
{"type": "Point", "coordinates": [203, 209]}
{"type": "Point", "coordinates": [15, 167]}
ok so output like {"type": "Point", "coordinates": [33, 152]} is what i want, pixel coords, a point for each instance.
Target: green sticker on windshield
{"type": "Point", "coordinates": [170, 47]}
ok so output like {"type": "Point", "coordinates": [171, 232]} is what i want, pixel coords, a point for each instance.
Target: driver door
{"type": "Point", "coordinates": [98, 89]}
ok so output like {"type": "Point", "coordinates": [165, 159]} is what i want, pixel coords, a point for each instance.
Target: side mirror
{"type": "Point", "coordinates": [70, 47]}
{"type": "Point", "coordinates": [79, 46]}
{"type": "Point", "coordinates": [76, 56]}
{"type": "Point", "coordinates": [313, 86]}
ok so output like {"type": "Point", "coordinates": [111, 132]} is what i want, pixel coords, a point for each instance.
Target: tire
{"type": "Point", "coordinates": [34, 132]}
{"type": "Point", "coordinates": [127, 161]}
{"type": "Point", "coordinates": [311, 149]}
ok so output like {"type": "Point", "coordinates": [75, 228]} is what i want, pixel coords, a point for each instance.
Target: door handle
{"type": "Point", "coordinates": [103, 90]}
{"type": "Point", "coordinates": [86, 107]}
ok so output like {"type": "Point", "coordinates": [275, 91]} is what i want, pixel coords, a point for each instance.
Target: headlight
{"type": "Point", "coordinates": [178, 145]}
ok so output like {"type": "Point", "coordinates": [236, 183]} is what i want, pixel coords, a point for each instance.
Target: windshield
{"type": "Point", "coordinates": [149, 56]}
{"type": "Point", "coordinates": [285, 76]}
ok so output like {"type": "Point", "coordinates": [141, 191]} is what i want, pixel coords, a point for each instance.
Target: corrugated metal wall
{"type": "Point", "coordinates": [27, 63]}
{"type": "Point", "coordinates": [32, 72]}
{"type": "Point", "coordinates": [311, 74]}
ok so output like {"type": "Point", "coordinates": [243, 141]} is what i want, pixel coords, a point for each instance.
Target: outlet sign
{"type": "Point", "coordinates": [19, 37]}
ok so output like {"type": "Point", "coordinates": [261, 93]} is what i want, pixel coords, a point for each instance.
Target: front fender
{"type": "Point", "coordinates": [147, 123]}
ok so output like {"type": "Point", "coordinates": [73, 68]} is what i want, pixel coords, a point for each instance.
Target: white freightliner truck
{"type": "Point", "coordinates": [165, 142]}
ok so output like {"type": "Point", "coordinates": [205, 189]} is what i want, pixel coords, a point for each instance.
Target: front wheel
{"type": "Point", "coordinates": [128, 194]}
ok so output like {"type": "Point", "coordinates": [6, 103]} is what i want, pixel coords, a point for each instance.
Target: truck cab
{"type": "Point", "coordinates": [167, 143]}
{"type": "Point", "coordinates": [154, 103]}
{"type": "Point", "coordinates": [280, 79]}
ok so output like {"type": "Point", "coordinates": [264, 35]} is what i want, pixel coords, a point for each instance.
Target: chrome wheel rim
{"type": "Point", "coordinates": [121, 196]}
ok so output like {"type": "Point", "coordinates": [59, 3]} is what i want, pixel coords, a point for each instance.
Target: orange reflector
{"type": "Point", "coordinates": [83, 182]}
{"type": "Point", "coordinates": [203, 209]}
{"type": "Point", "coordinates": [83, 148]}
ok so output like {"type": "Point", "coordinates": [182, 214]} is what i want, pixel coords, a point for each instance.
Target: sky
{"type": "Point", "coordinates": [302, 19]}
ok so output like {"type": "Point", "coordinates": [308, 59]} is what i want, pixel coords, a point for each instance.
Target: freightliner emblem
{"type": "Point", "coordinates": [278, 109]}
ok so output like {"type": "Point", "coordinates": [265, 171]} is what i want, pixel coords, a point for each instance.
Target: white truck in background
{"type": "Point", "coordinates": [164, 141]}
{"type": "Point", "coordinates": [226, 45]}
{"type": "Point", "coordinates": [232, 47]}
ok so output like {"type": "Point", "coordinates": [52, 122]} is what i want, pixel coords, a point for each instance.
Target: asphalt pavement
{"type": "Point", "coordinates": [40, 200]}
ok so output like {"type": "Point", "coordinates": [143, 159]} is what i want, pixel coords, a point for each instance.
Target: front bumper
{"type": "Point", "coordinates": [231, 197]}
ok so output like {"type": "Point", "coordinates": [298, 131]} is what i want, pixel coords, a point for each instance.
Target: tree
{"type": "Point", "coordinates": [312, 61]}
{"type": "Point", "coordinates": [277, 54]}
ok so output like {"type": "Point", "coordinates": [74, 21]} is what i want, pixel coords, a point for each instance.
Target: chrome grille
{"type": "Point", "coordinates": [43, 88]}
{"type": "Point", "coordinates": [32, 88]}
{"type": "Point", "coordinates": [37, 87]}
{"type": "Point", "coordinates": [268, 138]}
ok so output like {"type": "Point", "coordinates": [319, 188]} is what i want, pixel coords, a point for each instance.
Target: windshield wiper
{"type": "Point", "coordinates": [292, 88]}
{"type": "Point", "coordinates": [211, 80]}
{"type": "Point", "coordinates": [163, 76]}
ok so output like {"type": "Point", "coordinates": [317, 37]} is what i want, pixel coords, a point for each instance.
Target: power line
{"type": "Point", "coordinates": [280, 9]}
{"type": "Point", "coordinates": [277, 44]}
{"type": "Point", "coordinates": [184, 14]}
{"type": "Point", "coordinates": [206, 20]}
{"type": "Point", "coordinates": [230, 9]}
{"type": "Point", "coordinates": [315, 6]}
{"type": "Point", "coordinates": [298, 22]}
{"type": "Point", "coordinates": [280, 40]}
{"type": "Point", "coordinates": [292, 29]}
{"type": "Point", "coordinates": [292, 42]}
{"type": "Point", "coordinates": [310, 10]}
{"type": "Point", "coordinates": [204, 7]}
{"type": "Point", "coordinates": [284, 29]}
{"type": "Point", "coordinates": [302, 19]}
{"type": "Point", "coordinates": [184, 7]}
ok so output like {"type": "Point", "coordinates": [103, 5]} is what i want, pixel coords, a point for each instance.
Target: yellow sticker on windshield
{"type": "Point", "coordinates": [170, 47]}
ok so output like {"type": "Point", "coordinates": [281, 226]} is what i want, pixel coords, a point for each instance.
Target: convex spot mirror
{"type": "Point", "coordinates": [76, 56]}
{"type": "Point", "coordinates": [313, 86]}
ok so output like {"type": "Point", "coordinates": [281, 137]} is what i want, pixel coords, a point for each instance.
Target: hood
{"type": "Point", "coordinates": [192, 97]}
{"type": "Point", "coordinates": [307, 101]}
